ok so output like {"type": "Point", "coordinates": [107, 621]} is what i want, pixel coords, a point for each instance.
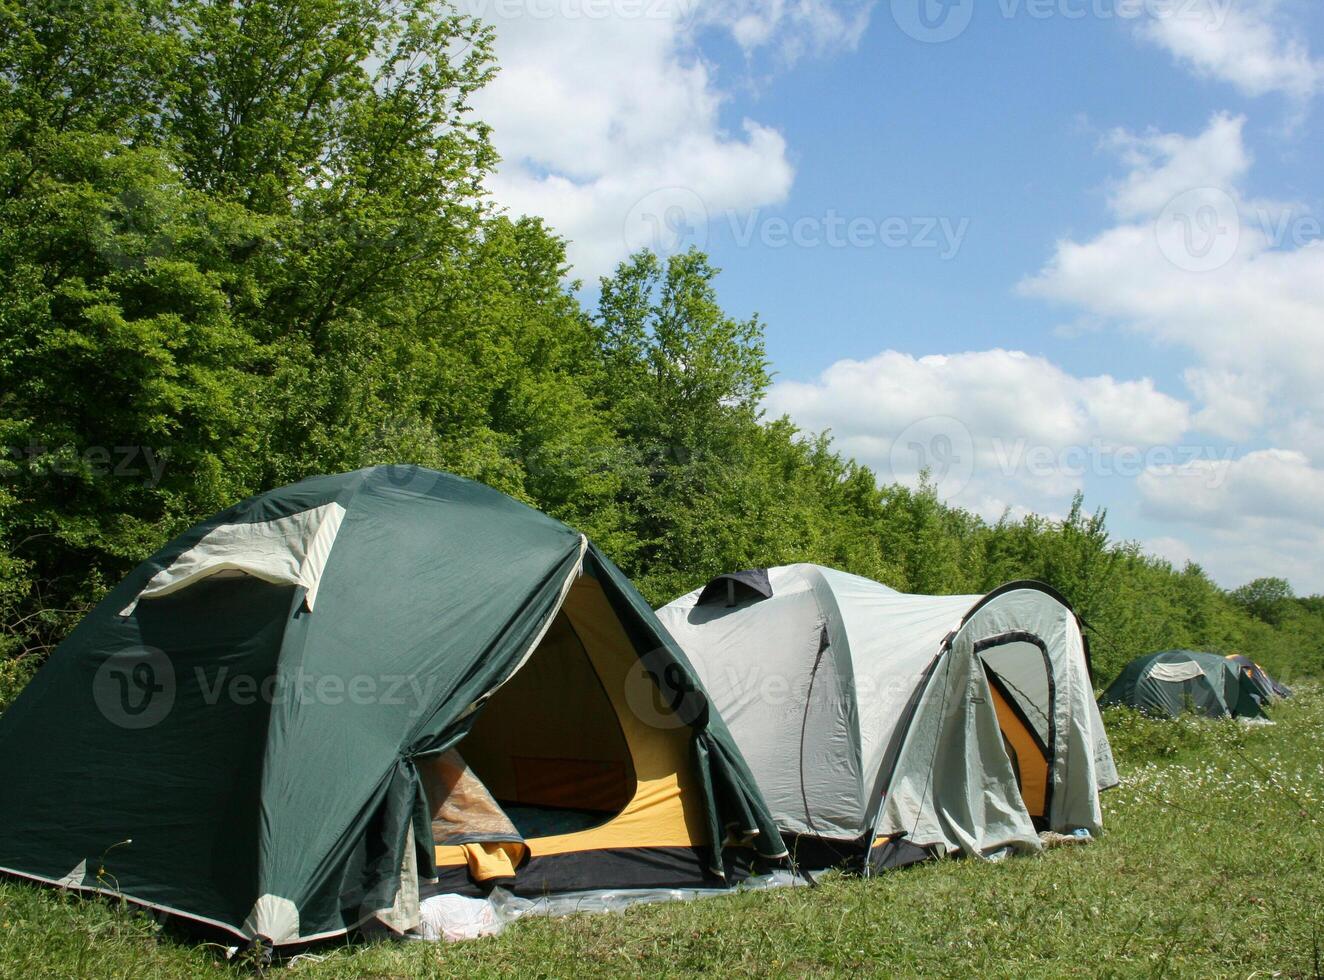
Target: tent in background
{"type": "Point", "coordinates": [297, 714]}
{"type": "Point", "coordinates": [1266, 685]}
{"type": "Point", "coordinates": [889, 726]}
{"type": "Point", "coordinates": [1176, 681]}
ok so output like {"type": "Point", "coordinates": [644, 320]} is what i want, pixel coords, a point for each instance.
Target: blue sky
{"type": "Point", "coordinates": [1001, 126]}
{"type": "Point", "coordinates": [1076, 244]}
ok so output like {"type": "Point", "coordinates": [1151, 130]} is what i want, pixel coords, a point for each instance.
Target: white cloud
{"type": "Point", "coordinates": [1305, 434]}
{"type": "Point", "coordinates": [1273, 484]}
{"type": "Point", "coordinates": [1250, 44]}
{"type": "Point", "coordinates": [793, 27]}
{"type": "Point", "coordinates": [609, 121]}
{"type": "Point", "coordinates": [1261, 549]}
{"type": "Point", "coordinates": [994, 509]}
{"type": "Point", "coordinates": [1232, 405]}
{"type": "Point", "coordinates": [1164, 165]}
{"type": "Point", "coordinates": [994, 392]}
{"type": "Point", "coordinates": [1247, 518]}
{"type": "Point", "coordinates": [1195, 263]}
{"type": "Point", "coordinates": [997, 429]}
{"type": "Point", "coordinates": [1170, 549]}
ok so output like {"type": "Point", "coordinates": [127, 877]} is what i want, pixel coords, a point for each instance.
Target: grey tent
{"type": "Point", "coordinates": [895, 726]}
{"type": "Point", "coordinates": [313, 708]}
{"type": "Point", "coordinates": [1177, 681]}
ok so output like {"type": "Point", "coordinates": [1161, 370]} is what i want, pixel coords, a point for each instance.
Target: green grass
{"type": "Point", "coordinates": [1212, 865]}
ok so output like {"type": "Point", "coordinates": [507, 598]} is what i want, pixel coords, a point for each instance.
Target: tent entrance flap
{"type": "Point", "coordinates": [1026, 752]}
{"type": "Point", "coordinates": [465, 814]}
{"type": "Point", "coordinates": [1020, 676]}
{"type": "Point", "coordinates": [600, 781]}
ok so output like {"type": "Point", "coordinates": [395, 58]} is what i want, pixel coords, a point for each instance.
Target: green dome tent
{"type": "Point", "coordinates": [258, 728]}
{"type": "Point", "coordinates": [1177, 681]}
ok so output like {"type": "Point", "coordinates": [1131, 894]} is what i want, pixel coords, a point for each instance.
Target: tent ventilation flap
{"type": "Point", "coordinates": [290, 550]}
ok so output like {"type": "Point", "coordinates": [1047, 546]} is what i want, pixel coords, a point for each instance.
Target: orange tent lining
{"type": "Point", "coordinates": [664, 809]}
{"type": "Point", "coordinates": [1033, 764]}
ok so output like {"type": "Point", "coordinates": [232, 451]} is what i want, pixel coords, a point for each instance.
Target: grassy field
{"type": "Point", "coordinates": [1212, 865]}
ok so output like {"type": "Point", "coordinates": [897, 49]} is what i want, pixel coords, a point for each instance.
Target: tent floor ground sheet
{"type": "Point", "coordinates": [1212, 864]}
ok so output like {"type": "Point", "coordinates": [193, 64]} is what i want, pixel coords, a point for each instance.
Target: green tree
{"type": "Point", "coordinates": [1267, 599]}
{"type": "Point", "coordinates": [682, 381]}
{"type": "Point", "coordinates": [223, 231]}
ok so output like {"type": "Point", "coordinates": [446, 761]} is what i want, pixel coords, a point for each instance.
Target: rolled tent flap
{"type": "Point", "coordinates": [464, 813]}
{"type": "Point", "coordinates": [290, 550]}
{"type": "Point", "coordinates": [461, 808]}
{"type": "Point", "coordinates": [1176, 672]}
{"type": "Point", "coordinates": [389, 877]}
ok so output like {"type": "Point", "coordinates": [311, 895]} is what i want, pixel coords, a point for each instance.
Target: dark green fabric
{"type": "Point", "coordinates": [1221, 691]}
{"type": "Point", "coordinates": [76, 786]}
{"type": "Point", "coordinates": [305, 789]}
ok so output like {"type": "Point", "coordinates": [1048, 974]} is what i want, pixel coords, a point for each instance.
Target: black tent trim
{"type": "Point", "coordinates": [1047, 590]}
{"type": "Point", "coordinates": [737, 587]}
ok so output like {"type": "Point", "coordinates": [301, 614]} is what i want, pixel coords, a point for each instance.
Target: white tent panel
{"type": "Point", "coordinates": [290, 550]}
{"type": "Point", "coordinates": [892, 639]}
{"type": "Point", "coordinates": [761, 664]}
{"type": "Point", "coordinates": [1176, 673]}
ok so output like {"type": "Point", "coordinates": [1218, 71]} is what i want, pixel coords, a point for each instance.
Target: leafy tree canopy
{"type": "Point", "coordinates": [244, 243]}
